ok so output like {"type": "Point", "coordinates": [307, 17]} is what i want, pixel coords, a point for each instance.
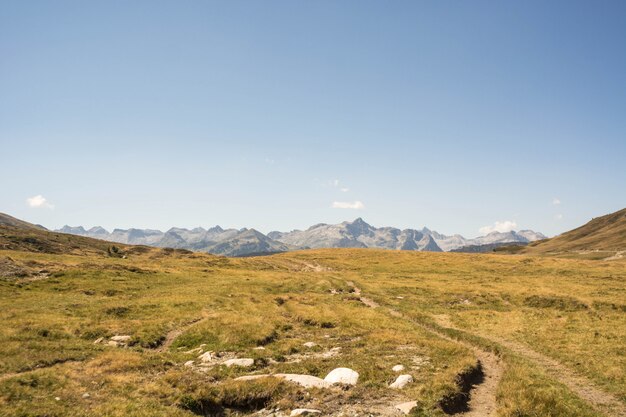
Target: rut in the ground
{"type": "Point", "coordinates": [581, 386]}
{"type": "Point", "coordinates": [482, 395]}
{"type": "Point", "coordinates": [173, 334]}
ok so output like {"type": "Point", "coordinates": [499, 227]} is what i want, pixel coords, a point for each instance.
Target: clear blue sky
{"type": "Point", "coordinates": [454, 115]}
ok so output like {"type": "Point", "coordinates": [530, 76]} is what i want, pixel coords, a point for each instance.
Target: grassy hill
{"type": "Point", "coordinates": [17, 234]}
{"type": "Point", "coordinates": [86, 333]}
{"type": "Point", "coordinates": [603, 234]}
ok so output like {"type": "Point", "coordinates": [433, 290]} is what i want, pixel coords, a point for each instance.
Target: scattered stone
{"type": "Point", "coordinates": [400, 297]}
{"type": "Point", "coordinates": [121, 338]}
{"type": "Point", "coordinates": [342, 376]}
{"type": "Point", "coordinates": [57, 399]}
{"type": "Point", "coordinates": [206, 357]}
{"type": "Point", "coordinates": [86, 395]}
{"type": "Point", "coordinates": [252, 377]}
{"type": "Point", "coordinates": [307, 381]}
{"type": "Point", "coordinates": [112, 343]}
{"type": "Point", "coordinates": [195, 350]}
{"type": "Point", "coordinates": [309, 345]}
{"type": "Point", "coordinates": [259, 348]}
{"type": "Point", "coordinates": [398, 368]}
{"type": "Point", "coordinates": [401, 382]}
{"type": "Point", "coordinates": [304, 412]}
{"type": "Point", "coordinates": [188, 364]}
{"type": "Point", "coordinates": [244, 362]}
{"type": "Point", "coordinates": [98, 340]}
{"type": "Point", "coordinates": [407, 407]}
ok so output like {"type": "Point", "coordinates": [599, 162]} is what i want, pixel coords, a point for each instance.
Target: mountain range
{"type": "Point", "coordinates": [355, 234]}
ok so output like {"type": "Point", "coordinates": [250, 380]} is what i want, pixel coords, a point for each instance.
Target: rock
{"type": "Point", "coordinates": [307, 381]}
{"type": "Point", "coordinates": [195, 350]}
{"type": "Point", "coordinates": [342, 376]}
{"type": "Point", "coordinates": [398, 368]}
{"type": "Point", "coordinates": [304, 412]}
{"type": "Point", "coordinates": [57, 398]}
{"type": "Point", "coordinates": [252, 377]}
{"type": "Point", "coordinates": [401, 382]}
{"type": "Point", "coordinates": [259, 348]}
{"type": "Point", "coordinates": [206, 357]}
{"type": "Point", "coordinates": [86, 395]}
{"type": "Point", "coordinates": [407, 407]}
{"type": "Point", "coordinates": [98, 340]}
{"type": "Point", "coordinates": [121, 338]}
{"type": "Point", "coordinates": [112, 343]}
{"type": "Point", "coordinates": [309, 345]}
{"type": "Point", "coordinates": [188, 364]}
{"type": "Point", "coordinates": [244, 362]}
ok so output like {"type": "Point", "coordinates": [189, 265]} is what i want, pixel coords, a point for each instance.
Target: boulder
{"type": "Point", "coordinates": [206, 357]}
{"type": "Point", "coordinates": [342, 376]}
{"type": "Point", "coordinates": [398, 368]}
{"type": "Point", "coordinates": [401, 382]}
{"type": "Point", "coordinates": [406, 408]}
{"type": "Point", "coordinates": [307, 381]}
{"type": "Point", "coordinates": [243, 362]}
{"type": "Point", "coordinates": [121, 338]}
{"type": "Point", "coordinates": [305, 412]}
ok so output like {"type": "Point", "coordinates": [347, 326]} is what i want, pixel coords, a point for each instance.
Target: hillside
{"type": "Point", "coordinates": [605, 233]}
{"type": "Point", "coordinates": [17, 234]}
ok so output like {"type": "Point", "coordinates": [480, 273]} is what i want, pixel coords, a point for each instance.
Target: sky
{"type": "Point", "coordinates": [465, 117]}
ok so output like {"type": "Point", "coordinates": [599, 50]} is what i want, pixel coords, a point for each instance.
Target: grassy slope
{"type": "Point", "coordinates": [571, 310]}
{"type": "Point", "coordinates": [605, 233]}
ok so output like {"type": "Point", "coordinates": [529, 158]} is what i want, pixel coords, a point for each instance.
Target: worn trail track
{"type": "Point", "coordinates": [602, 401]}
{"type": "Point", "coordinates": [482, 396]}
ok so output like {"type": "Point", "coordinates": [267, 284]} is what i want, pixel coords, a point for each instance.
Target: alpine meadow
{"type": "Point", "coordinates": [312, 208]}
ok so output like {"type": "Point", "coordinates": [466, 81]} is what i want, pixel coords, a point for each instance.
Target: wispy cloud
{"type": "Point", "coordinates": [39, 201]}
{"type": "Point", "coordinates": [345, 189]}
{"type": "Point", "coordinates": [558, 216]}
{"type": "Point", "coordinates": [503, 226]}
{"type": "Point", "coordinates": [556, 201]}
{"type": "Point", "coordinates": [354, 205]}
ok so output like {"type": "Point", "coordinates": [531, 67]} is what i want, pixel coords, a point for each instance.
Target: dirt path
{"type": "Point", "coordinates": [173, 334]}
{"type": "Point", "coordinates": [482, 395]}
{"type": "Point", "coordinates": [367, 301]}
{"type": "Point", "coordinates": [581, 386]}
{"type": "Point", "coordinates": [618, 255]}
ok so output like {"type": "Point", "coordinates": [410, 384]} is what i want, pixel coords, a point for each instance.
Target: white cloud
{"type": "Point", "coordinates": [558, 216]}
{"type": "Point", "coordinates": [556, 201]}
{"type": "Point", "coordinates": [335, 183]}
{"type": "Point", "coordinates": [345, 189]}
{"type": "Point", "coordinates": [355, 205]}
{"type": "Point", "coordinates": [39, 201]}
{"type": "Point", "coordinates": [503, 226]}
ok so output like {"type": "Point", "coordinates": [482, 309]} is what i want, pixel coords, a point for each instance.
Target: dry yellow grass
{"type": "Point", "coordinates": [572, 311]}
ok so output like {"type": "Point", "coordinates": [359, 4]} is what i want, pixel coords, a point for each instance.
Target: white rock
{"type": "Point", "coordinates": [86, 395]}
{"type": "Point", "coordinates": [243, 362]}
{"type": "Point", "coordinates": [57, 398]}
{"type": "Point", "coordinates": [304, 412]}
{"type": "Point", "coordinates": [401, 382]}
{"type": "Point", "coordinates": [98, 340]}
{"type": "Point", "coordinates": [206, 357]}
{"type": "Point", "coordinates": [259, 348]}
{"type": "Point", "coordinates": [309, 345]}
{"type": "Point", "coordinates": [342, 376]}
{"type": "Point", "coordinates": [407, 407]}
{"type": "Point", "coordinates": [188, 364]}
{"type": "Point", "coordinates": [252, 377]}
{"type": "Point", "coordinates": [121, 338]}
{"type": "Point", "coordinates": [307, 381]}
{"type": "Point", "coordinates": [112, 343]}
{"type": "Point", "coordinates": [398, 368]}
